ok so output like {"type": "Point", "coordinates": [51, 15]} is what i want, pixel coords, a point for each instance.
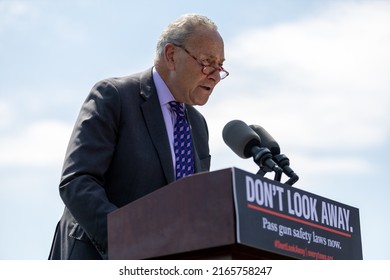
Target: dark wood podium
{"type": "Point", "coordinates": [234, 214]}
{"type": "Point", "coordinates": [192, 218]}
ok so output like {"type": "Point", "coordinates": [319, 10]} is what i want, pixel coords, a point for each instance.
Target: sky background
{"type": "Point", "coordinates": [314, 74]}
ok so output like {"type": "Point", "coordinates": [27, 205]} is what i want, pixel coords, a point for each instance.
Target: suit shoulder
{"type": "Point", "coordinates": [124, 82]}
{"type": "Point", "coordinates": [119, 82]}
{"type": "Point", "coordinates": [119, 87]}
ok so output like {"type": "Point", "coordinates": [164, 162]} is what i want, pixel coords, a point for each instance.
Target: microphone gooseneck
{"type": "Point", "coordinates": [282, 160]}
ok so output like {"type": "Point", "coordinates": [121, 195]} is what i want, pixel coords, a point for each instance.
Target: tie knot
{"type": "Point", "coordinates": [177, 108]}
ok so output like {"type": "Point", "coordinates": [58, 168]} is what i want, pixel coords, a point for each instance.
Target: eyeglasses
{"type": "Point", "coordinates": [207, 69]}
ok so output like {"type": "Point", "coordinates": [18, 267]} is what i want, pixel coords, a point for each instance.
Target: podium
{"type": "Point", "coordinates": [227, 214]}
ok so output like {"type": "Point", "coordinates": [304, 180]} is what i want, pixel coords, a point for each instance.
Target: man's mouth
{"type": "Point", "coordinates": [206, 88]}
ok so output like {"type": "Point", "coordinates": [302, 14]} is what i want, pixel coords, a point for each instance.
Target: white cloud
{"type": "Point", "coordinates": [42, 143]}
{"type": "Point", "coordinates": [317, 85]}
{"type": "Point", "coordinates": [13, 8]}
{"type": "Point", "coordinates": [14, 12]}
{"type": "Point", "coordinates": [341, 44]}
{"type": "Point", "coordinates": [6, 114]}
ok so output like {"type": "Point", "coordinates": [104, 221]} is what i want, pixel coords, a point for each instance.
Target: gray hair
{"type": "Point", "coordinates": [181, 29]}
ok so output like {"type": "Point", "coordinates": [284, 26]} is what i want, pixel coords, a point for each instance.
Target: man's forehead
{"type": "Point", "coordinates": [207, 44]}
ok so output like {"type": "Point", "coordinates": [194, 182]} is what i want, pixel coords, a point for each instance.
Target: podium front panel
{"type": "Point", "coordinates": [286, 220]}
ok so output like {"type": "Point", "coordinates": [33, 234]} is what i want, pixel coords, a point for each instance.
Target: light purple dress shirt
{"type": "Point", "coordinates": [165, 96]}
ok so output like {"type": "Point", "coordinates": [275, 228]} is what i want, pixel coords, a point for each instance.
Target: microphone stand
{"type": "Point", "coordinates": [283, 161]}
{"type": "Point", "coordinates": [264, 170]}
{"type": "Point", "coordinates": [263, 157]}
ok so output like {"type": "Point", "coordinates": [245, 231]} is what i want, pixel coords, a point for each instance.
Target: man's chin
{"type": "Point", "coordinates": [201, 102]}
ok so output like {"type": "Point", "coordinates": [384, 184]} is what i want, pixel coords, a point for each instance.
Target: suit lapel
{"type": "Point", "coordinates": [151, 110]}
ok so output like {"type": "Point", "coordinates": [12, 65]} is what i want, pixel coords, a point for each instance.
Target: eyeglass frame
{"type": "Point", "coordinates": [220, 69]}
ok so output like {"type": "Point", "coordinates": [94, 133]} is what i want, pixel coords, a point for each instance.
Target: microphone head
{"type": "Point", "coordinates": [240, 138]}
{"type": "Point", "coordinates": [266, 139]}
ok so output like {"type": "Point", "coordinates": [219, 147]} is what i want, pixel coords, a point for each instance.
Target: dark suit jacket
{"type": "Point", "coordinates": [118, 152]}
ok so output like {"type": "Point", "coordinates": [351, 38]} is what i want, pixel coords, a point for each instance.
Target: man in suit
{"type": "Point", "coordinates": [122, 145]}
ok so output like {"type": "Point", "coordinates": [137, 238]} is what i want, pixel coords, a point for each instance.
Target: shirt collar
{"type": "Point", "coordinates": [163, 92]}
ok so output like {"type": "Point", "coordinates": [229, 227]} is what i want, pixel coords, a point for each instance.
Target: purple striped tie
{"type": "Point", "coordinates": [182, 142]}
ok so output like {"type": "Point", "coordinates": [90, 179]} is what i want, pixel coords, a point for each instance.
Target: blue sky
{"type": "Point", "coordinates": [315, 74]}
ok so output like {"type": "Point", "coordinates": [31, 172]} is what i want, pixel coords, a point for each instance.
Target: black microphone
{"type": "Point", "coordinates": [266, 139]}
{"type": "Point", "coordinates": [282, 160]}
{"type": "Point", "coordinates": [245, 142]}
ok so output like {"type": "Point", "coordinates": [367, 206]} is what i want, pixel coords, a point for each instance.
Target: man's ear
{"type": "Point", "coordinates": [170, 53]}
